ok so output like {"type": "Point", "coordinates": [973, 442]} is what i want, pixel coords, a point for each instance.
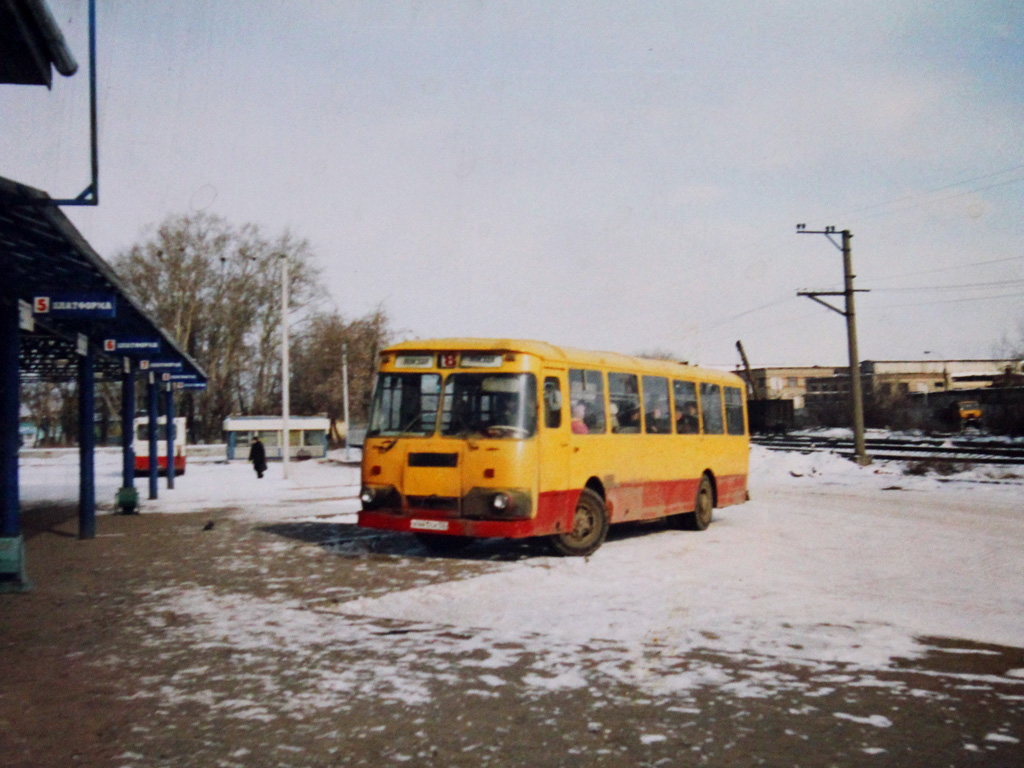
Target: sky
{"type": "Point", "coordinates": [607, 175]}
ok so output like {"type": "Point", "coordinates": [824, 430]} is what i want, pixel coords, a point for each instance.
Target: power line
{"type": "Point", "coordinates": [947, 269]}
{"type": "Point", "coordinates": [729, 319]}
{"type": "Point", "coordinates": [933, 200]}
{"type": "Point", "coordinates": [961, 286]}
{"type": "Point", "coordinates": [950, 301]}
{"type": "Point", "coordinates": [917, 198]}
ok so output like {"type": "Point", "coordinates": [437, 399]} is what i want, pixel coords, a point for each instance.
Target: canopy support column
{"type": "Point", "coordinates": [12, 545]}
{"type": "Point", "coordinates": [127, 496]}
{"type": "Point", "coordinates": [87, 445]}
{"type": "Point", "coordinates": [169, 410]}
{"type": "Point", "coordinates": [153, 428]}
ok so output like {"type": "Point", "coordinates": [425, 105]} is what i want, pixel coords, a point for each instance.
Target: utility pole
{"type": "Point", "coordinates": [285, 372]}
{"type": "Point", "coordinates": [344, 384]}
{"type": "Point", "coordinates": [856, 392]}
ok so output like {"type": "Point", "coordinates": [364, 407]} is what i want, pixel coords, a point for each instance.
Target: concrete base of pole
{"type": "Point", "coordinates": [12, 565]}
{"type": "Point", "coordinates": [126, 501]}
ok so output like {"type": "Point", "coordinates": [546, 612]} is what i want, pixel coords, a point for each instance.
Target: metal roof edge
{"type": "Point", "coordinates": [43, 202]}
{"type": "Point", "coordinates": [56, 46]}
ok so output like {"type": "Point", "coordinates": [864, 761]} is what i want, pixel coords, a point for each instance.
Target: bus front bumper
{"type": "Point", "coordinates": [475, 515]}
{"type": "Point", "coordinates": [412, 522]}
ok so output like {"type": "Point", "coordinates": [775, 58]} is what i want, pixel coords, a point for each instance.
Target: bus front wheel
{"type": "Point", "coordinates": [703, 508]}
{"type": "Point", "coordinates": [589, 527]}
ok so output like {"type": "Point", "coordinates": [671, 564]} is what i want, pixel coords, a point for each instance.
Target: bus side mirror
{"type": "Point", "coordinates": [553, 399]}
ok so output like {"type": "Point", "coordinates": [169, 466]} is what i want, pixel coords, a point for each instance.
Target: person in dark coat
{"type": "Point", "coordinates": [258, 457]}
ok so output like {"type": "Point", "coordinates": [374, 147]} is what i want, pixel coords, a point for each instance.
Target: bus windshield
{"type": "Point", "coordinates": [492, 405]}
{"type": "Point", "coordinates": [405, 404]}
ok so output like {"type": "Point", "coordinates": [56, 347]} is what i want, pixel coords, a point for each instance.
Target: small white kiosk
{"type": "Point", "coordinates": [307, 436]}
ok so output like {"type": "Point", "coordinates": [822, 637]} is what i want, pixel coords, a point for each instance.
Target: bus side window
{"type": "Point", "coordinates": [685, 394]}
{"type": "Point", "coordinates": [552, 403]}
{"type": "Point", "coordinates": [733, 411]}
{"type": "Point", "coordinates": [711, 408]}
{"type": "Point", "coordinates": [586, 394]}
{"type": "Point", "coordinates": [624, 394]}
{"type": "Point", "coordinates": [656, 416]}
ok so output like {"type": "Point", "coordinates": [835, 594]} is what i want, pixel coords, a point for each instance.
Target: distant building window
{"type": "Point", "coordinates": [791, 381]}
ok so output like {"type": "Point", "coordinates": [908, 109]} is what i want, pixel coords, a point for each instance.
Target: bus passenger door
{"type": "Point", "coordinates": [555, 501]}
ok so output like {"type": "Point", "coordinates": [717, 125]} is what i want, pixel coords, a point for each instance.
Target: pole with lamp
{"type": "Point", "coordinates": [344, 385]}
{"type": "Point", "coordinates": [285, 399]}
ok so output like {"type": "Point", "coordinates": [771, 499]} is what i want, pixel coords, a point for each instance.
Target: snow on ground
{"type": "Point", "coordinates": [829, 562]}
{"type": "Point", "coordinates": [823, 564]}
{"type": "Point", "coordinates": [313, 488]}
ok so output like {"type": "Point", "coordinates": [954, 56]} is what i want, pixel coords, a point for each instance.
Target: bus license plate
{"type": "Point", "coordinates": [429, 525]}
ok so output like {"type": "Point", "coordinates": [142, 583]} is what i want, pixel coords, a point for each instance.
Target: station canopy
{"type": "Point", "coordinates": [44, 257]}
{"type": "Point", "coordinates": [31, 44]}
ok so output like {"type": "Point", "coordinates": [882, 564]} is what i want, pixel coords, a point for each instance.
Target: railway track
{"type": "Point", "coordinates": [953, 449]}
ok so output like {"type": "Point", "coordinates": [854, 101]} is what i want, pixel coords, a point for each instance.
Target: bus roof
{"type": "Point", "coordinates": [568, 356]}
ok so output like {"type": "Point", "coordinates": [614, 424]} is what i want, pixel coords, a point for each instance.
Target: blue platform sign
{"type": "Point", "coordinates": [160, 365]}
{"type": "Point", "coordinates": [68, 304]}
{"type": "Point", "coordinates": [184, 377]}
{"type": "Point", "coordinates": [131, 345]}
{"type": "Point", "coordinates": [190, 385]}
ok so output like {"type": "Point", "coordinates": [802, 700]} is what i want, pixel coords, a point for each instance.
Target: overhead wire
{"type": "Point", "coordinates": [960, 287]}
{"type": "Point", "coordinates": [914, 201]}
{"type": "Point", "coordinates": [917, 199]}
{"type": "Point", "coordinates": [951, 301]}
{"type": "Point", "coordinates": [948, 269]}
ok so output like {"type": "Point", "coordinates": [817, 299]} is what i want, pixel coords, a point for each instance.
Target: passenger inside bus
{"type": "Point", "coordinates": [579, 413]}
{"type": "Point", "coordinates": [656, 423]}
{"type": "Point", "coordinates": [686, 419]}
{"type": "Point", "coordinates": [624, 391]}
{"type": "Point", "coordinates": [509, 411]}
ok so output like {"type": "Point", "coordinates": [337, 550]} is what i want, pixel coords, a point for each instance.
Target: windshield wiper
{"type": "Point", "coordinates": [401, 433]}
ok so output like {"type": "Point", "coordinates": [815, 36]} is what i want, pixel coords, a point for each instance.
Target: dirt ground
{"type": "Point", "coordinates": [97, 670]}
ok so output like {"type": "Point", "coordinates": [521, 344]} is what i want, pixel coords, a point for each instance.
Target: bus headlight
{"type": "Point", "coordinates": [495, 504]}
{"type": "Point", "coordinates": [380, 497]}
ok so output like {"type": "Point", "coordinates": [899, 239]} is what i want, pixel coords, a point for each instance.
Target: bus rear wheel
{"type": "Point", "coordinates": [703, 507]}
{"type": "Point", "coordinates": [589, 528]}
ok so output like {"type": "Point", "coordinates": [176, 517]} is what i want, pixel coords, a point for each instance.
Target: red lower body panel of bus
{"type": "Point", "coordinates": [142, 465]}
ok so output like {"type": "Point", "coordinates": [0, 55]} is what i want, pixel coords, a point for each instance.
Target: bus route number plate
{"type": "Point", "coordinates": [429, 525]}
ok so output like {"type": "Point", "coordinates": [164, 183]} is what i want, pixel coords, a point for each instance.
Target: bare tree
{"type": "Point", "coordinates": [660, 354]}
{"type": "Point", "coordinates": [318, 361]}
{"type": "Point", "coordinates": [216, 288]}
{"type": "Point", "coordinates": [52, 407]}
{"type": "Point", "coordinates": [1011, 346]}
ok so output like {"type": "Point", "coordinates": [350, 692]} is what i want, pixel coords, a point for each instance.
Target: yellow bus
{"type": "Point", "coordinates": [511, 438]}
